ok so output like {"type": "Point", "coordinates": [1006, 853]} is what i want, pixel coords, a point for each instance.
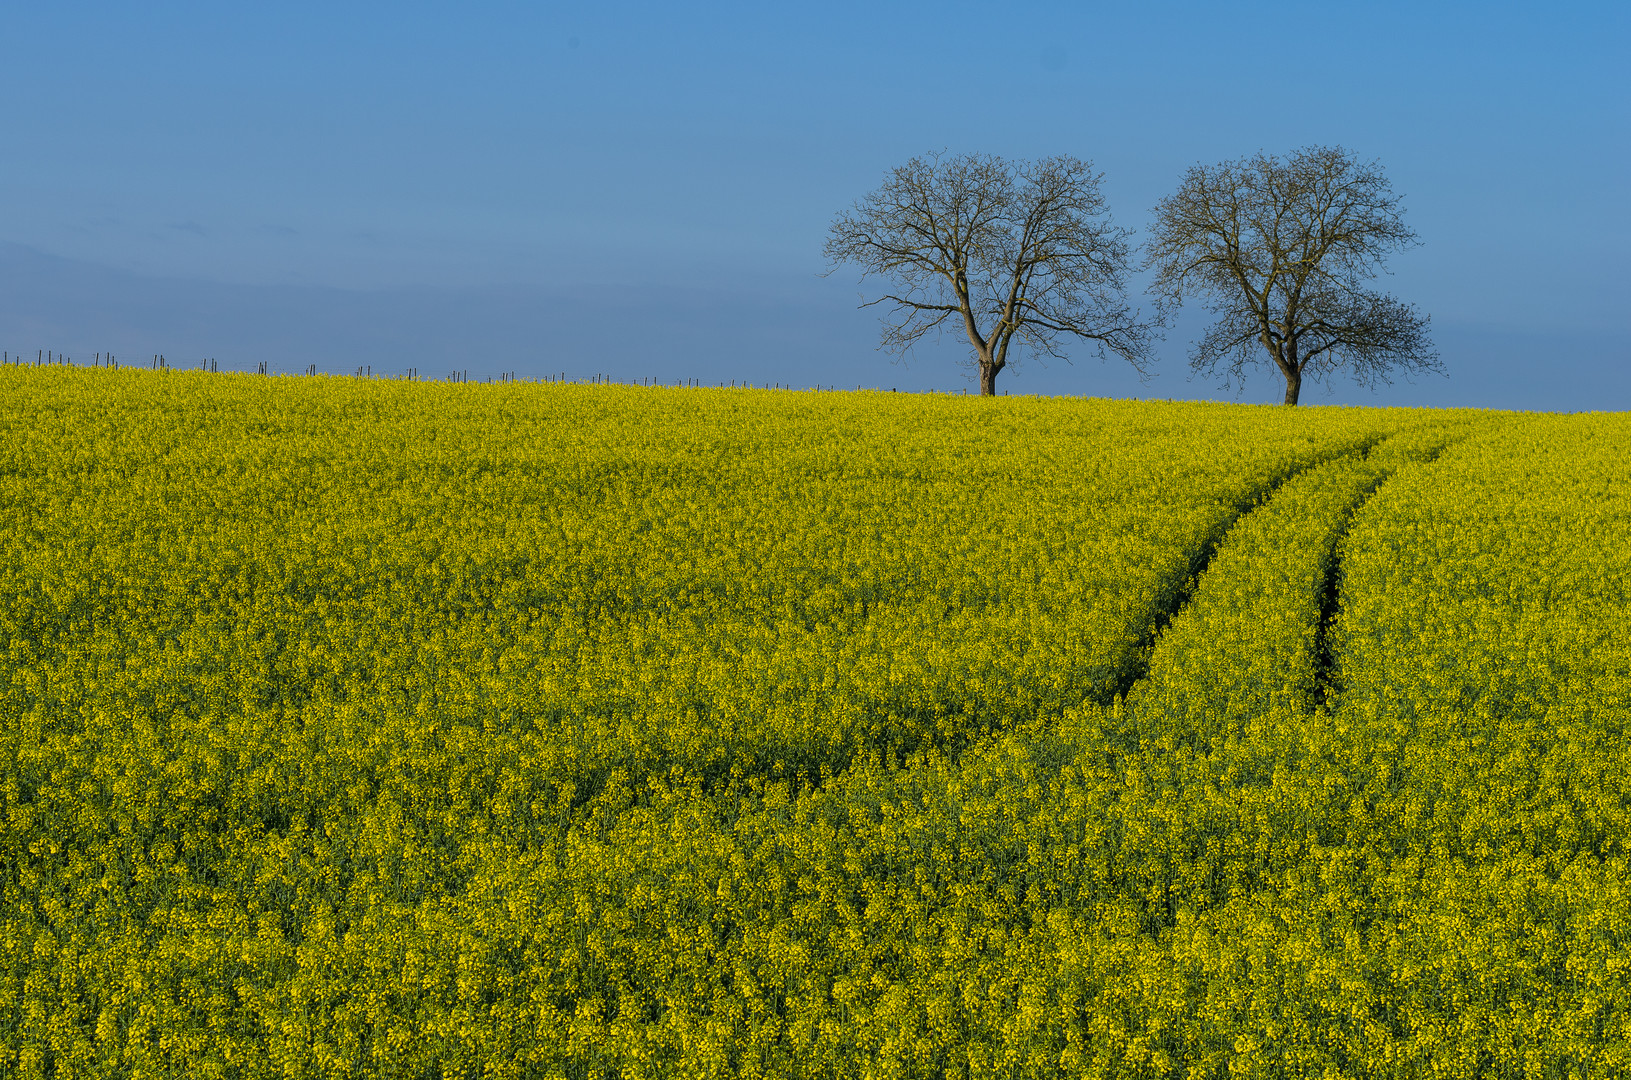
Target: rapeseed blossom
{"type": "Point", "coordinates": [376, 728]}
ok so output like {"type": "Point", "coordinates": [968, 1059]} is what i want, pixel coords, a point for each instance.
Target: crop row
{"type": "Point", "coordinates": [288, 664]}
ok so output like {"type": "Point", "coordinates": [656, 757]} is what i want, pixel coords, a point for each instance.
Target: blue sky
{"type": "Point", "coordinates": [643, 190]}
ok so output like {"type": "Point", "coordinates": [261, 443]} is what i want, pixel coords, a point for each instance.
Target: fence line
{"type": "Point", "coordinates": [158, 362]}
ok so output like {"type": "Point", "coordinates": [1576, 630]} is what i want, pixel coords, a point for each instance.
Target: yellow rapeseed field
{"type": "Point", "coordinates": [360, 728]}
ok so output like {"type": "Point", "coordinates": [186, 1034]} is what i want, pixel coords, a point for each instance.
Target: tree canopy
{"type": "Point", "coordinates": [1011, 252]}
{"type": "Point", "coordinates": [1283, 252]}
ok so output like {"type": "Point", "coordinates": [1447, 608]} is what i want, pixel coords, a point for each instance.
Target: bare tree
{"type": "Point", "coordinates": [1282, 250]}
{"type": "Point", "coordinates": [1011, 251]}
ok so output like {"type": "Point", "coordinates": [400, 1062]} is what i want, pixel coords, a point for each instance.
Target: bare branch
{"type": "Point", "coordinates": [1021, 252]}
{"type": "Point", "coordinates": [1282, 251]}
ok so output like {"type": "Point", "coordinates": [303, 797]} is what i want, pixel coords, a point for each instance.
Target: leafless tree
{"type": "Point", "coordinates": [1012, 251]}
{"type": "Point", "coordinates": [1282, 251]}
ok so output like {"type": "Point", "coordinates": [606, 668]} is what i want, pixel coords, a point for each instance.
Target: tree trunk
{"type": "Point", "coordinates": [1294, 385]}
{"type": "Point", "coordinates": [988, 380]}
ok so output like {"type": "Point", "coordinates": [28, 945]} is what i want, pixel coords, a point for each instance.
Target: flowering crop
{"type": "Point", "coordinates": [362, 728]}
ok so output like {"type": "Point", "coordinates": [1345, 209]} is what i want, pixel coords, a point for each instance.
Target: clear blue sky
{"type": "Point", "coordinates": [643, 190]}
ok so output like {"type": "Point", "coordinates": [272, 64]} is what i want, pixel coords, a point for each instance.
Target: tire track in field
{"type": "Point", "coordinates": [1325, 690]}
{"type": "Point", "coordinates": [1324, 658]}
{"type": "Point", "coordinates": [1138, 670]}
